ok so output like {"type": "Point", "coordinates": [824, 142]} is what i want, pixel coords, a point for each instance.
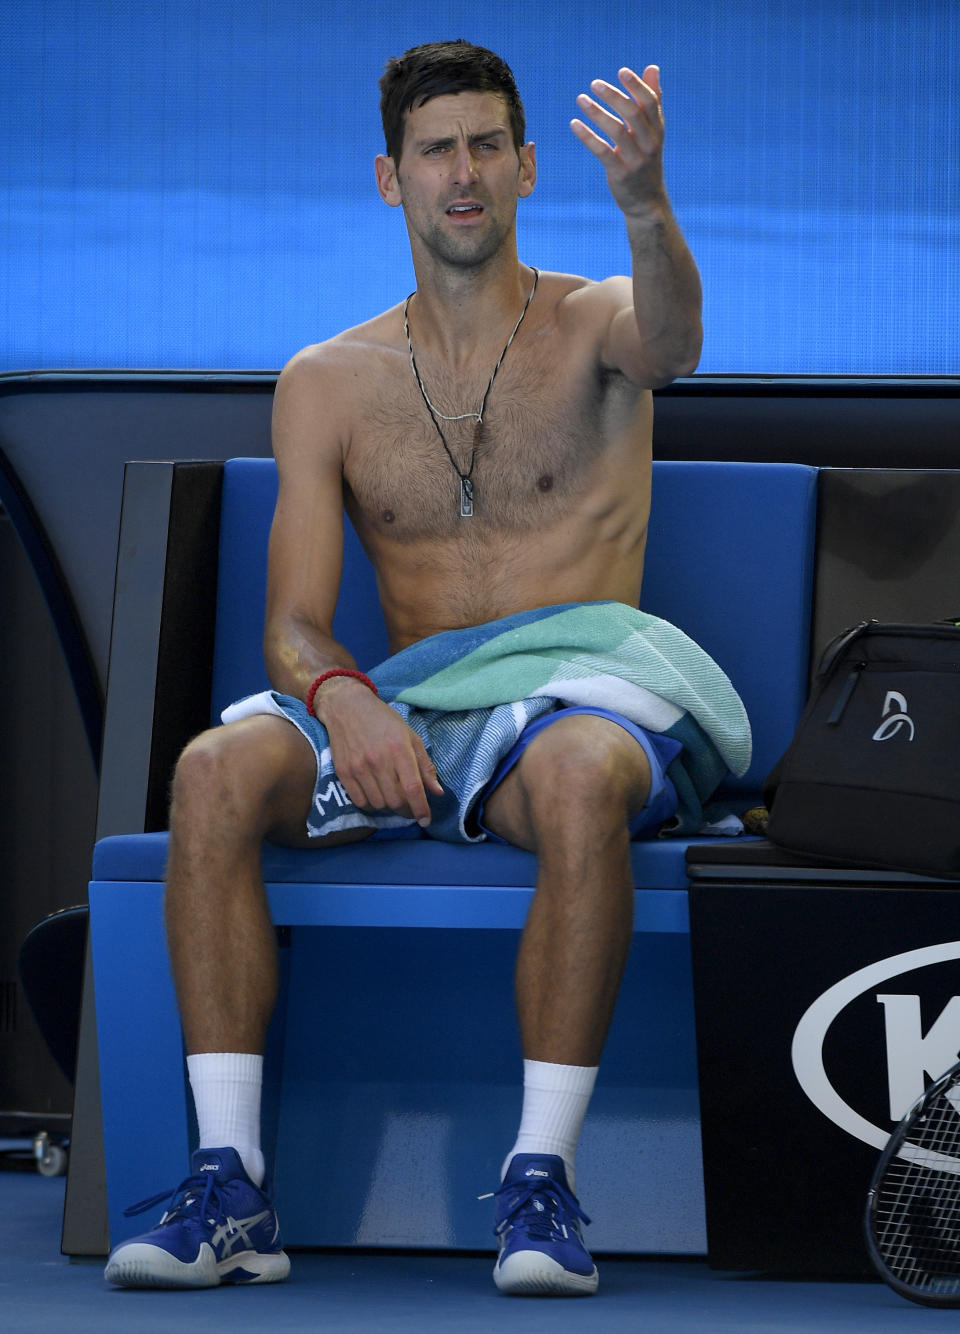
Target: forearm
{"type": "Point", "coordinates": [667, 296]}
{"type": "Point", "coordinates": [297, 651]}
{"type": "Point", "coordinates": [665, 340]}
{"type": "Point", "coordinates": [379, 759]}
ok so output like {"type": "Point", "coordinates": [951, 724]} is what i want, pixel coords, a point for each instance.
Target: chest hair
{"type": "Point", "coordinates": [541, 435]}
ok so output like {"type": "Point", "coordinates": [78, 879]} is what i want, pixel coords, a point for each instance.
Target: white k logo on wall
{"type": "Point", "coordinates": [912, 1053]}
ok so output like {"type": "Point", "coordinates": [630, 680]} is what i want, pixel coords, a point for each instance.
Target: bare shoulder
{"type": "Point", "coordinates": [587, 300]}
{"type": "Point", "coordinates": [599, 318]}
{"type": "Point", "coordinates": [584, 308]}
{"type": "Point", "coordinates": [344, 357]}
{"type": "Point", "coordinates": [323, 387]}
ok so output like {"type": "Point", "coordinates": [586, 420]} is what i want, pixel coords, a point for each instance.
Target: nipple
{"type": "Point", "coordinates": [545, 483]}
{"type": "Point", "coordinates": [388, 516]}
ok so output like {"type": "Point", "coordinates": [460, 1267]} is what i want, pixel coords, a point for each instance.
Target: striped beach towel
{"type": "Point", "coordinates": [470, 693]}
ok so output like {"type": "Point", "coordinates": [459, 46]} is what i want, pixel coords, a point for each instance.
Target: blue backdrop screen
{"type": "Point", "coordinates": [184, 183]}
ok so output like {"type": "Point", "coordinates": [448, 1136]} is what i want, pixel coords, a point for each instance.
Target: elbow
{"type": "Point", "coordinates": [664, 375]}
{"type": "Point", "coordinates": [281, 653]}
{"type": "Point", "coordinates": [274, 660]}
{"type": "Point", "coordinates": [685, 368]}
{"type": "Point", "coordinates": [690, 358]}
{"type": "Point", "coordinates": [681, 366]}
{"type": "Point", "coordinates": [679, 361]}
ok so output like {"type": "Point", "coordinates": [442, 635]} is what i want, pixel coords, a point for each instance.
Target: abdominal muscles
{"type": "Point", "coordinates": [478, 575]}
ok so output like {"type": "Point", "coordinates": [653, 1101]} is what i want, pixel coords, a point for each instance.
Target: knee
{"type": "Point", "coordinates": [201, 770]}
{"type": "Point", "coordinates": [600, 772]}
{"type": "Point", "coordinates": [222, 772]}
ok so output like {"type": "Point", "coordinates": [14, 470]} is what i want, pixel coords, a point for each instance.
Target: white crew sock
{"type": "Point", "coordinates": [226, 1093]}
{"type": "Point", "coordinates": [555, 1099]}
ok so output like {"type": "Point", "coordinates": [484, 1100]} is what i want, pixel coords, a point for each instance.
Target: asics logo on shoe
{"type": "Point", "coordinates": [230, 1233]}
{"type": "Point", "coordinates": [209, 1167]}
{"type": "Point", "coordinates": [535, 1172]}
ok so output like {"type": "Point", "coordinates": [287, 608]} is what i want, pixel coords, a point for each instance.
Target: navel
{"type": "Point", "coordinates": [545, 483]}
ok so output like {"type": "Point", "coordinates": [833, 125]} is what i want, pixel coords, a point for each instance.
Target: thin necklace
{"type": "Point", "coordinates": [466, 478]}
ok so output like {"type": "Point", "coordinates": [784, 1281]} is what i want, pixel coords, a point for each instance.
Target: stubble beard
{"type": "Point", "coordinates": [467, 250]}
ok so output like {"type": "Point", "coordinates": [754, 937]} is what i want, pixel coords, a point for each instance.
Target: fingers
{"type": "Point", "coordinates": [635, 94]}
{"type": "Point", "coordinates": [362, 787]}
{"type": "Point", "coordinates": [416, 779]}
{"type": "Point", "coordinates": [644, 88]}
{"type": "Point", "coordinates": [392, 775]}
{"type": "Point", "coordinates": [597, 146]}
{"type": "Point", "coordinates": [651, 77]}
{"type": "Point", "coordinates": [634, 116]}
{"type": "Point", "coordinates": [429, 773]}
{"type": "Point", "coordinates": [602, 118]}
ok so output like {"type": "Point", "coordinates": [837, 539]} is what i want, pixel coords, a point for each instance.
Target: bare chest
{"type": "Point", "coordinates": [549, 428]}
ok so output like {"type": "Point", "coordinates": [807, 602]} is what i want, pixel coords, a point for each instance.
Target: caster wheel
{"type": "Point", "coordinates": [51, 1158]}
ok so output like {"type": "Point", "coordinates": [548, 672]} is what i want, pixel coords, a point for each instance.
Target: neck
{"type": "Point", "coordinates": [459, 315]}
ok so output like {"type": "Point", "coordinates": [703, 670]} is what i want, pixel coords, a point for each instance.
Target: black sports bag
{"type": "Point", "coordinates": [872, 775]}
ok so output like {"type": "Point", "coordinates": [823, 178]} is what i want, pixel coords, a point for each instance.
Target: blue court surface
{"type": "Point", "coordinates": [353, 1291]}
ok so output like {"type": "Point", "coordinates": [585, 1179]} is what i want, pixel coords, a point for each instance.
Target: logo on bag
{"type": "Point", "coordinates": [894, 722]}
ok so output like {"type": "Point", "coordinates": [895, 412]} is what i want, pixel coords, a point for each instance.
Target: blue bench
{"type": "Point", "coordinates": [394, 1068]}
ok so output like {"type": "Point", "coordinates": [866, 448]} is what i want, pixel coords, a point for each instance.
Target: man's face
{"type": "Point", "coordinates": [459, 176]}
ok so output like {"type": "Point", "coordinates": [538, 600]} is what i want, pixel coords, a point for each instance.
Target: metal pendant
{"type": "Point", "coordinates": [466, 498]}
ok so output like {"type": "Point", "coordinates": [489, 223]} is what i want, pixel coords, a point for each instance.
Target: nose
{"type": "Point", "coordinates": [466, 167]}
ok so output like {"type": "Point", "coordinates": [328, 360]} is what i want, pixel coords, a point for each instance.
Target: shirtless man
{"type": "Point", "coordinates": [544, 501]}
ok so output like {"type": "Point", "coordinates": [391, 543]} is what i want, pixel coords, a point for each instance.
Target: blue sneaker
{"type": "Point", "coordinates": [217, 1228]}
{"type": "Point", "coordinates": [537, 1222]}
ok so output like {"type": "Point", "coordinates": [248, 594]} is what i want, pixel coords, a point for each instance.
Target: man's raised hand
{"type": "Point", "coordinates": [632, 122]}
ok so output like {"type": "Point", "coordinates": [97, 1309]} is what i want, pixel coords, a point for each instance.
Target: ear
{"type": "Point", "coordinates": [388, 182]}
{"type": "Point", "coordinates": [528, 170]}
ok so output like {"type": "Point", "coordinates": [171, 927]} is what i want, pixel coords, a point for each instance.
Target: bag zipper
{"type": "Point", "coordinates": [843, 699]}
{"type": "Point", "coordinates": [836, 646]}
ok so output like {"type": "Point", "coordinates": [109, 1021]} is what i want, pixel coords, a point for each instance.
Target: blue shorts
{"type": "Point", "coordinates": [662, 800]}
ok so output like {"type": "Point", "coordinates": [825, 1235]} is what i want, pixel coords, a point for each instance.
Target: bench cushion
{"type": "Point", "coordinates": [657, 864]}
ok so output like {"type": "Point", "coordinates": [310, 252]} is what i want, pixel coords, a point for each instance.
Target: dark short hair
{"type": "Point", "coordinates": [439, 68]}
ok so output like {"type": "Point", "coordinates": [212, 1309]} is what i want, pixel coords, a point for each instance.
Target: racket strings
{"type": "Point", "coordinates": [917, 1219]}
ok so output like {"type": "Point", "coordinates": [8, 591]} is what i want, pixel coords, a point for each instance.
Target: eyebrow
{"type": "Point", "coordinates": [444, 141]}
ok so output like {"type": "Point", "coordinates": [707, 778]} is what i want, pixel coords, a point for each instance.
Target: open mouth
{"type": "Point", "coordinates": [467, 209]}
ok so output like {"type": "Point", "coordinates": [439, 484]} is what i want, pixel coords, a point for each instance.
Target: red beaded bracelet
{"type": "Point", "coordinates": [338, 671]}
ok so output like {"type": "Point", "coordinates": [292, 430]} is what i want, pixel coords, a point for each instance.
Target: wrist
{"type": "Point", "coordinates": [342, 675]}
{"type": "Point", "coordinates": [650, 209]}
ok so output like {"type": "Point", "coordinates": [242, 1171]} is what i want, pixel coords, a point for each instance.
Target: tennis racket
{"type": "Point", "coordinates": [913, 1207]}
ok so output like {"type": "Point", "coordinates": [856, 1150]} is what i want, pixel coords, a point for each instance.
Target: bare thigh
{"type": "Point", "coordinates": [257, 774]}
{"type": "Point", "coordinates": [290, 826]}
{"type": "Point", "coordinates": [585, 761]}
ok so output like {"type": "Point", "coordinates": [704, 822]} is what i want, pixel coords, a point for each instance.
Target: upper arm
{"type": "Point", "coordinates": [604, 312]}
{"type": "Point", "coordinates": [608, 310]}
{"type": "Point", "coordinates": [623, 348]}
{"type": "Point", "coordinates": [306, 538]}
